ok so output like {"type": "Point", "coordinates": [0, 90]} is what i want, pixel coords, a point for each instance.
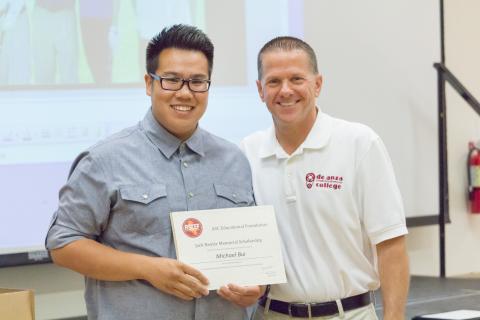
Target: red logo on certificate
{"type": "Point", "coordinates": [192, 227]}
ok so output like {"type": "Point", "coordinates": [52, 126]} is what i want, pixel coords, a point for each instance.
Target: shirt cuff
{"type": "Point", "coordinates": [388, 233]}
{"type": "Point", "coordinates": [59, 237]}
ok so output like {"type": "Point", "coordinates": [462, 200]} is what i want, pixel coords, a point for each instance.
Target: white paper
{"type": "Point", "coordinates": [455, 315]}
{"type": "Point", "coordinates": [232, 245]}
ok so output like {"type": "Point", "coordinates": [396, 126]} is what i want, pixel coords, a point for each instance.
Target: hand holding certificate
{"type": "Point", "coordinates": [232, 245]}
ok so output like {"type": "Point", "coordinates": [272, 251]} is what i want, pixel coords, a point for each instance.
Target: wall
{"type": "Point", "coordinates": [462, 31]}
{"type": "Point", "coordinates": [59, 292]}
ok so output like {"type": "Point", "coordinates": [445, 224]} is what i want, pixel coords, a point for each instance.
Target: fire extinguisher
{"type": "Point", "coordinates": [473, 167]}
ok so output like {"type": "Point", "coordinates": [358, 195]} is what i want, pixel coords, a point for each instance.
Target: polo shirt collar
{"type": "Point", "coordinates": [166, 142]}
{"type": "Point", "coordinates": [317, 138]}
{"type": "Point", "coordinates": [319, 135]}
{"type": "Point", "coordinates": [270, 145]}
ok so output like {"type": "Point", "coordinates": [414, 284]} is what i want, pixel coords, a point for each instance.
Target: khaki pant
{"type": "Point", "coordinates": [364, 313]}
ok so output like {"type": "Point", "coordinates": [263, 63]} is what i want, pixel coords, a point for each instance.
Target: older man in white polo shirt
{"type": "Point", "coordinates": [338, 206]}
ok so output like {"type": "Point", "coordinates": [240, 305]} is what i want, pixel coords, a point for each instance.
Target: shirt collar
{"type": "Point", "coordinates": [317, 138]}
{"type": "Point", "coordinates": [167, 143]}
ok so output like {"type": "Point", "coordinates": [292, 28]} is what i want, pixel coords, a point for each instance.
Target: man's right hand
{"type": "Point", "coordinates": [176, 278]}
{"type": "Point", "coordinates": [98, 261]}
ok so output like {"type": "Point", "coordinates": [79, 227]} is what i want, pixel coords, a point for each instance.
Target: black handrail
{"type": "Point", "coordinates": [457, 85]}
{"type": "Point", "coordinates": [444, 76]}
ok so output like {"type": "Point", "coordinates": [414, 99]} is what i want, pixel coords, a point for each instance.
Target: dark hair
{"type": "Point", "coordinates": [287, 43]}
{"type": "Point", "coordinates": [178, 36]}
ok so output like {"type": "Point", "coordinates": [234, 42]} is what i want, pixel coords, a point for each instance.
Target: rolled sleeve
{"type": "Point", "coordinates": [84, 204]}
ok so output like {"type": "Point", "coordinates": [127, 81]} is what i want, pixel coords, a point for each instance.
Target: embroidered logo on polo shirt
{"type": "Point", "coordinates": [313, 180]}
{"type": "Point", "coordinates": [310, 179]}
{"type": "Point", "coordinates": [192, 227]}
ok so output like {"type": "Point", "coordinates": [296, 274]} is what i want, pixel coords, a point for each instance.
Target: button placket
{"type": "Point", "coordinates": [182, 149]}
{"type": "Point", "coordinates": [288, 180]}
{"type": "Point", "coordinates": [184, 164]}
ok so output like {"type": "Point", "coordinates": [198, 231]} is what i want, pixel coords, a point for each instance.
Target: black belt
{"type": "Point", "coordinates": [321, 309]}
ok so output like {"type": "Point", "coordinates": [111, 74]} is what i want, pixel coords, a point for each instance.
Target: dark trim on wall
{"type": "Point", "coordinates": [424, 221]}
{"type": "Point", "coordinates": [24, 258]}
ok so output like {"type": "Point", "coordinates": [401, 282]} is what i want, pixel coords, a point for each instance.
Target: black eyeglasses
{"type": "Point", "coordinates": [175, 84]}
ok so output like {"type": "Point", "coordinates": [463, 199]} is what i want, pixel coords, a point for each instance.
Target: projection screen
{"type": "Point", "coordinates": [73, 74]}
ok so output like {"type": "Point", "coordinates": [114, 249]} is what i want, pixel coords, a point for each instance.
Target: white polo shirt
{"type": "Point", "coordinates": [335, 198]}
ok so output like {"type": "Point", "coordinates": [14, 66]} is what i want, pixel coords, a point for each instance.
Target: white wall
{"type": "Point", "coordinates": [462, 34]}
{"type": "Point", "coordinates": [59, 291]}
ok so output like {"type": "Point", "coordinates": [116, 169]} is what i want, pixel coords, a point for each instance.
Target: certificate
{"type": "Point", "coordinates": [232, 245]}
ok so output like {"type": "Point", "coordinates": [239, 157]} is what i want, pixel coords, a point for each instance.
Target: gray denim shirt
{"type": "Point", "coordinates": [120, 193]}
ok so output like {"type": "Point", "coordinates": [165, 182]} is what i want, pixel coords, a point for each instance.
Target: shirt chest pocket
{"type": "Point", "coordinates": [233, 196]}
{"type": "Point", "coordinates": [145, 209]}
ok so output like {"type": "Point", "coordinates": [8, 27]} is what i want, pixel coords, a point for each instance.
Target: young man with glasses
{"type": "Point", "coordinates": [113, 223]}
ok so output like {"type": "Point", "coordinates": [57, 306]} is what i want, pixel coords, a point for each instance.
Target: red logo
{"type": "Point", "coordinates": [192, 227]}
{"type": "Point", "coordinates": [310, 178]}
{"type": "Point", "coordinates": [323, 181]}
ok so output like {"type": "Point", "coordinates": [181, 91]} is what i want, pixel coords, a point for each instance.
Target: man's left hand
{"type": "Point", "coordinates": [241, 296]}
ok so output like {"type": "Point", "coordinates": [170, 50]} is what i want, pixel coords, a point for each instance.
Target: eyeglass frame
{"type": "Point", "coordinates": [160, 79]}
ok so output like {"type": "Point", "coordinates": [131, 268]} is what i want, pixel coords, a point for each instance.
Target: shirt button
{"type": "Point", "coordinates": [234, 195]}
{"type": "Point", "coordinates": [145, 196]}
{"type": "Point", "coordinates": [185, 164]}
{"type": "Point", "coordinates": [190, 195]}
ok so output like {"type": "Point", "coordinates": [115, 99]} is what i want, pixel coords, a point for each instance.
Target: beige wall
{"type": "Point", "coordinates": [59, 291]}
{"type": "Point", "coordinates": [462, 42]}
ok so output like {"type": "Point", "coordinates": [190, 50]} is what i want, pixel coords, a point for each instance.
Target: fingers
{"type": "Point", "coordinates": [186, 288]}
{"type": "Point", "coordinates": [241, 296]}
{"type": "Point", "coordinates": [245, 290]}
{"type": "Point", "coordinates": [178, 279]}
{"type": "Point", "coordinates": [185, 292]}
{"type": "Point", "coordinates": [188, 284]}
{"type": "Point", "coordinates": [195, 285]}
{"type": "Point", "coordinates": [195, 273]}
{"type": "Point", "coordinates": [181, 295]}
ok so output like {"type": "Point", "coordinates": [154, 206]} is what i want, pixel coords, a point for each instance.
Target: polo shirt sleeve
{"type": "Point", "coordinates": [378, 196]}
{"type": "Point", "coordinates": [84, 204]}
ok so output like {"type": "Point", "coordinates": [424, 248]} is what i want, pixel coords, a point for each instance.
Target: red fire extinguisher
{"type": "Point", "coordinates": [473, 166]}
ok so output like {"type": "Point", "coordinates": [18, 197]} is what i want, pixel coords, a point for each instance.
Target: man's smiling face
{"type": "Point", "coordinates": [289, 87]}
{"type": "Point", "coordinates": [178, 111]}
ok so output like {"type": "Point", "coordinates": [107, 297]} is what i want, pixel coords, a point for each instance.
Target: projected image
{"type": "Point", "coordinates": [15, 50]}
{"type": "Point", "coordinates": [377, 71]}
{"type": "Point", "coordinates": [99, 36]}
{"type": "Point", "coordinates": [75, 76]}
{"type": "Point", "coordinates": [88, 42]}
{"type": "Point", "coordinates": [55, 42]}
